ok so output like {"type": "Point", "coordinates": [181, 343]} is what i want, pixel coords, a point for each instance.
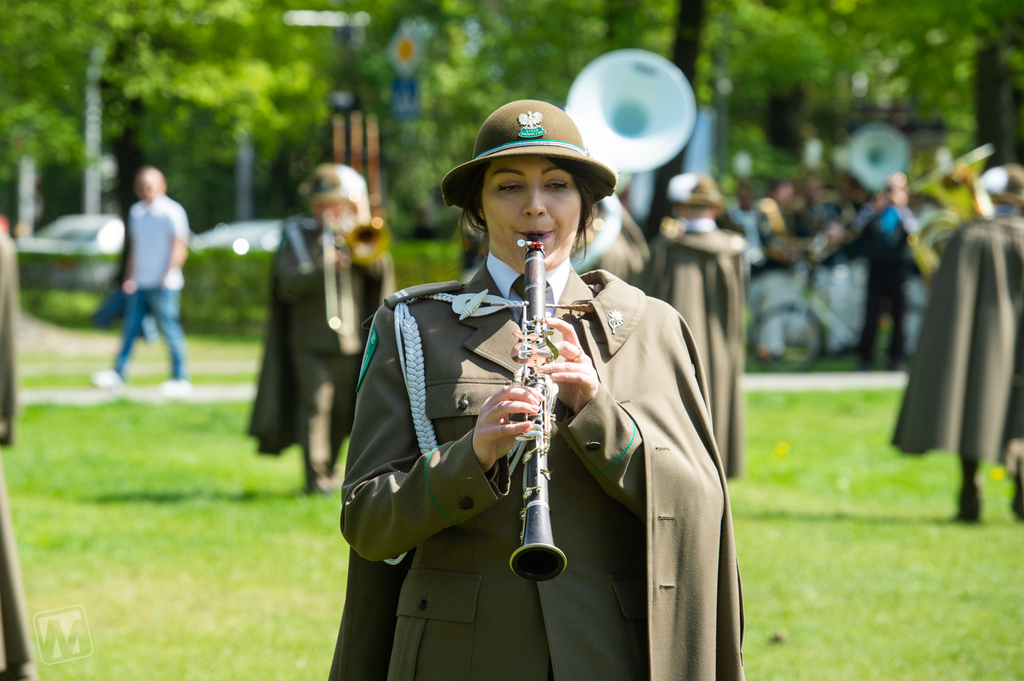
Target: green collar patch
{"type": "Point", "coordinates": [371, 347]}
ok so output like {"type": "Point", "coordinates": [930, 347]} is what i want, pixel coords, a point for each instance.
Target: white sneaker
{"type": "Point", "coordinates": [176, 387]}
{"type": "Point", "coordinates": [108, 379]}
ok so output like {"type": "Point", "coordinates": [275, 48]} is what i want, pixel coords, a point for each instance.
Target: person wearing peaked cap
{"type": "Point", "coordinates": [698, 268]}
{"type": "Point", "coordinates": [307, 385]}
{"type": "Point", "coordinates": [635, 474]}
{"type": "Point", "coordinates": [966, 392]}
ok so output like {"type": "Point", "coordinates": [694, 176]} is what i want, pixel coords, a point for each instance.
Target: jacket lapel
{"type": "Point", "coordinates": [614, 299]}
{"type": "Point", "coordinates": [493, 339]}
{"type": "Point", "coordinates": [578, 293]}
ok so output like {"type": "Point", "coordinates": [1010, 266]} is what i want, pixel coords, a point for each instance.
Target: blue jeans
{"type": "Point", "coordinates": [164, 305]}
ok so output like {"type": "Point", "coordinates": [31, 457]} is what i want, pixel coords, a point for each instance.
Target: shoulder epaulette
{"type": "Point", "coordinates": [420, 291]}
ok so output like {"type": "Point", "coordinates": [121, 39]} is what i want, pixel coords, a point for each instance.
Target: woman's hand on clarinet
{"type": "Point", "coordinates": [576, 376]}
{"type": "Point", "coordinates": [495, 433]}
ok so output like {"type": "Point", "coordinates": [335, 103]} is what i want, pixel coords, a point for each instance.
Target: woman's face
{"type": "Point", "coordinates": [530, 195]}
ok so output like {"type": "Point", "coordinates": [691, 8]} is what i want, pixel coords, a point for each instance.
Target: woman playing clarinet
{"type": "Point", "coordinates": [535, 411]}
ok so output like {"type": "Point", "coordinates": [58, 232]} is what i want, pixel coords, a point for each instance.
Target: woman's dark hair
{"type": "Point", "coordinates": [471, 198]}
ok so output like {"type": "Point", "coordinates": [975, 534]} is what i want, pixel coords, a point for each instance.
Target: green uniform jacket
{"type": "Point", "coordinates": [9, 313]}
{"type": "Point", "coordinates": [701, 275]}
{"type": "Point", "coordinates": [639, 505]}
{"type": "Point", "coordinates": [964, 393]}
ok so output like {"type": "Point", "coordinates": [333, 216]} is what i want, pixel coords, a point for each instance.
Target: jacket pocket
{"type": "Point", "coordinates": [632, 595]}
{"type": "Point", "coordinates": [434, 633]}
{"type": "Point", "coordinates": [453, 406]}
{"type": "Point", "coordinates": [452, 399]}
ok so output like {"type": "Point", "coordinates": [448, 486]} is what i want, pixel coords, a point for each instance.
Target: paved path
{"type": "Point", "coordinates": [245, 392]}
{"type": "Point", "coordinates": [865, 380]}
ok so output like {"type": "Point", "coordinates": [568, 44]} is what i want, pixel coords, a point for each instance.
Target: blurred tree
{"type": "Point", "coordinates": [184, 78]}
{"type": "Point", "coordinates": [180, 82]}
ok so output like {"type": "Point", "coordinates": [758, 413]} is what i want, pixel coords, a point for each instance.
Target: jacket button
{"type": "Point", "coordinates": [422, 605]}
{"type": "Point", "coordinates": [593, 446]}
{"type": "Point", "coordinates": [465, 503]}
{"type": "Point", "coordinates": [463, 402]}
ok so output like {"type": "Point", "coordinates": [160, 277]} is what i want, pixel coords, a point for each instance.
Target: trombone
{"type": "Point", "coordinates": [359, 234]}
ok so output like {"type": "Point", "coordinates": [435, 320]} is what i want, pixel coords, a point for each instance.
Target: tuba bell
{"type": "Point", "coordinates": [636, 111]}
{"type": "Point", "coordinates": [877, 150]}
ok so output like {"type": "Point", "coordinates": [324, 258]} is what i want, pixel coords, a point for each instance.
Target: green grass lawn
{"type": "Point", "coordinates": [847, 548]}
{"type": "Point", "coordinates": [193, 557]}
{"type": "Point", "coordinates": [196, 559]}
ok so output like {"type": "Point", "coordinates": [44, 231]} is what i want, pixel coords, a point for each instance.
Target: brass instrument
{"type": "Point", "coordinates": [537, 559]}
{"type": "Point", "coordinates": [962, 198]}
{"type": "Point", "coordinates": [877, 151]}
{"type": "Point", "coordinates": [337, 279]}
{"type": "Point", "coordinates": [636, 110]}
{"type": "Point", "coordinates": [359, 233]}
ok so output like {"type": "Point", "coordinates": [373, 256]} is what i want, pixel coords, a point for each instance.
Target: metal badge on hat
{"type": "Point", "coordinates": [531, 124]}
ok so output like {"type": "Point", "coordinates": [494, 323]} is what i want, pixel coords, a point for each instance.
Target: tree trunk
{"type": "Point", "coordinates": [129, 159]}
{"type": "Point", "coordinates": [785, 119]}
{"type": "Point", "coordinates": [684, 55]}
{"type": "Point", "coordinates": [128, 153]}
{"type": "Point", "coordinates": [997, 102]}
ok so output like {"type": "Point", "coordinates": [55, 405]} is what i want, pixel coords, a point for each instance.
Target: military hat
{"type": "Point", "coordinates": [331, 180]}
{"type": "Point", "coordinates": [695, 189]}
{"type": "Point", "coordinates": [1005, 183]}
{"type": "Point", "coordinates": [529, 127]}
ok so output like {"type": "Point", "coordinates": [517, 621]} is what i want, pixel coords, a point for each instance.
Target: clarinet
{"type": "Point", "coordinates": [537, 559]}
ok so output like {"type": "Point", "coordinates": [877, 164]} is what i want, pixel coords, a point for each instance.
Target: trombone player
{"type": "Point", "coordinates": [314, 341]}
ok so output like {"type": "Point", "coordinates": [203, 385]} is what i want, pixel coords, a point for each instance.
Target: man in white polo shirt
{"type": "Point", "coordinates": [159, 232]}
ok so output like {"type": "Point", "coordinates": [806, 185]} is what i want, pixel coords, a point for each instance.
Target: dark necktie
{"type": "Point", "coordinates": [519, 286]}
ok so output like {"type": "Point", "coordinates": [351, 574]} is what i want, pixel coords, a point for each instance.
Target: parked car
{"type": "Point", "coordinates": [72, 252]}
{"type": "Point", "coordinates": [241, 237]}
{"type": "Point", "coordinates": [77, 235]}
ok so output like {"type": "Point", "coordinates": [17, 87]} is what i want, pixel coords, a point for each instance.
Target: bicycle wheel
{"type": "Point", "coordinates": [793, 336]}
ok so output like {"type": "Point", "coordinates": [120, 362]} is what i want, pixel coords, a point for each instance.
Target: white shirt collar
{"type": "Point", "coordinates": [701, 225]}
{"type": "Point", "coordinates": [504, 276]}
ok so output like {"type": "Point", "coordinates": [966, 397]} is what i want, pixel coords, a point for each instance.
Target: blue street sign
{"type": "Point", "coordinates": [405, 99]}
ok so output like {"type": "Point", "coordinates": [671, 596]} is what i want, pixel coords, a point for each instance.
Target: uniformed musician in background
{"type": "Point", "coordinates": [698, 268]}
{"type": "Point", "coordinates": [615, 243]}
{"type": "Point", "coordinates": [638, 498]}
{"type": "Point", "coordinates": [307, 385]}
{"type": "Point", "coordinates": [966, 387]}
